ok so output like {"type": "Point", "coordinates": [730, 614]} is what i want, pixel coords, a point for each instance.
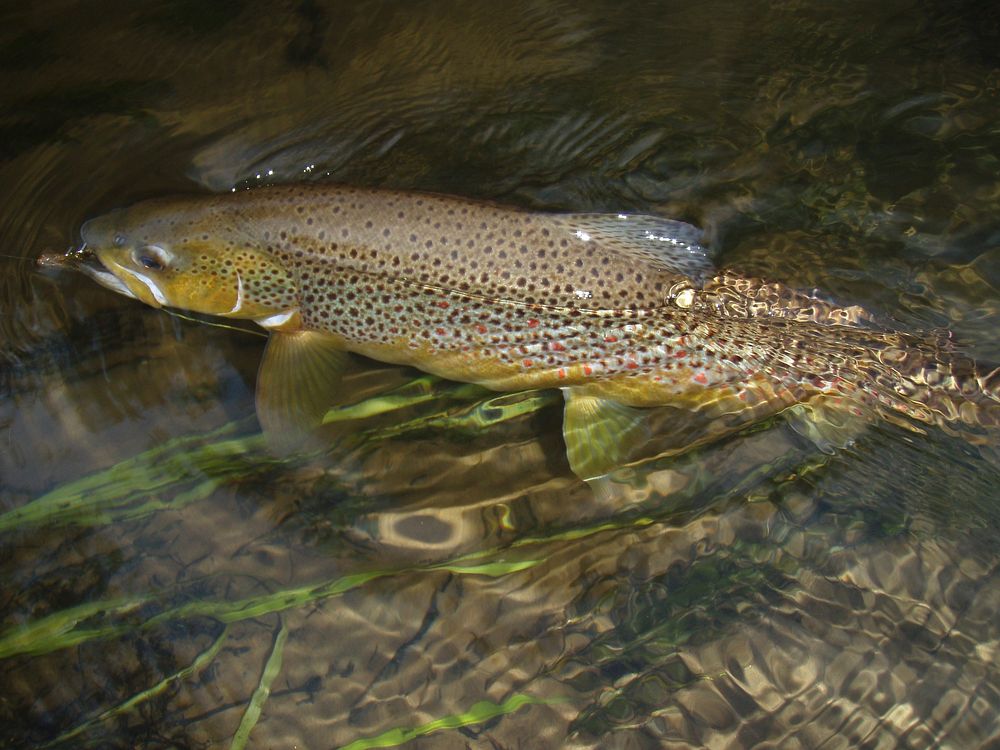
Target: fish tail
{"type": "Point", "coordinates": [955, 393]}
{"type": "Point", "coordinates": [926, 380]}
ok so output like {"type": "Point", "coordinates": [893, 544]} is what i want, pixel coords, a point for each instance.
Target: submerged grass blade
{"type": "Point", "coordinates": [417, 391]}
{"type": "Point", "coordinates": [271, 669]}
{"type": "Point", "coordinates": [285, 599]}
{"type": "Point", "coordinates": [475, 417]}
{"type": "Point", "coordinates": [59, 630]}
{"type": "Point", "coordinates": [479, 713]}
{"type": "Point", "coordinates": [135, 488]}
{"type": "Point", "coordinates": [70, 627]}
{"type": "Point", "coordinates": [130, 489]}
{"type": "Point", "coordinates": [203, 659]}
{"type": "Point", "coordinates": [62, 629]}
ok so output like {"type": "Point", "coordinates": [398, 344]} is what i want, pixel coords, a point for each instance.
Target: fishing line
{"type": "Point", "coordinates": [213, 323]}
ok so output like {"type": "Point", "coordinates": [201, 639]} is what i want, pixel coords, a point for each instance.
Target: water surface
{"type": "Point", "coordinates": [441, 579]}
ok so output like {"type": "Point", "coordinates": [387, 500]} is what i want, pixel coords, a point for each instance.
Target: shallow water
{"type": "Point", "coordinates": [441, 579]}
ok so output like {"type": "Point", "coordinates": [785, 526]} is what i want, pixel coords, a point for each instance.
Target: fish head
{"type": "Point", "coordinates": [190, 255]}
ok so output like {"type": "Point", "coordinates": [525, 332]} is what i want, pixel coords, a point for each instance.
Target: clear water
{"type": "Point", "coordinates": [441, 579]}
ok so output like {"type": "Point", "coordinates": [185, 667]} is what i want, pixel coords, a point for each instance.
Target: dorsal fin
{"type": "Point", "coordinates": [672, 245]}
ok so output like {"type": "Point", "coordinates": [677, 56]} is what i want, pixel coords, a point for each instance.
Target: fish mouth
{"type": "Point", "coordinates": [86, 261]}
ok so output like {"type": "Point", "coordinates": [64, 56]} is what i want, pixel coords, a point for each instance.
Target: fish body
{"type": "Point", "coordinates": [620, 311]}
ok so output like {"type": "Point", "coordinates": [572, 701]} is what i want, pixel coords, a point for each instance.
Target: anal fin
{"type": "Point", "coordinates": [296, 384]}
{"type": "Point", "coordinates": [600, 434]}
{"type": "Point", "coordinates": [830, 425]}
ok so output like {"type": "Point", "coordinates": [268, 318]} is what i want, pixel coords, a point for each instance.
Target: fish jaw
{"type": "Point", "coordinates": [109, 281]}
{"type": "Point", "coordinates": [87, 262]}
{"type": "Point", "coordinates": [117, 277]}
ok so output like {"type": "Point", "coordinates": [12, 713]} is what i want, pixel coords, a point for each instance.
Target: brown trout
{"type": "Point", "coordinates": [621, 312]}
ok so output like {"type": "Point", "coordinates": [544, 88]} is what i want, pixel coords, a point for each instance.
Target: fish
{"type": "Point", "coordinates": [622, 312]}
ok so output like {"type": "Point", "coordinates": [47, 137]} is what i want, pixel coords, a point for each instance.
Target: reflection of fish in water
{"type": "Point", "coordinates": [621, 312]}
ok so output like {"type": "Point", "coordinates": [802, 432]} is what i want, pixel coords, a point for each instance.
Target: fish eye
{"type": "Point", "coordinates": [152, 257]}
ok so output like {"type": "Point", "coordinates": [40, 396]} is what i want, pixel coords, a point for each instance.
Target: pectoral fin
{"type": "Point", "coordinates": [296, 384]}
{"type": "Point", "coordinates": [600, 434]}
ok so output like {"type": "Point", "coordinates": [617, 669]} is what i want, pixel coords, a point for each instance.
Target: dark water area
{"type": "Point", "coordinates": [440, 578]}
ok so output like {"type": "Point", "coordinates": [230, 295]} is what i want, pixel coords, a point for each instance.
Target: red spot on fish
{"type": "Point", "coordinates": [611, 339]}
{"type": "Point", "coordinates": [562, 373]}
{"type": "Point", "coordinates": [587, 370]}
{"type": "Point", "coordinates": [527, 363]}
{"type": "Point", "coordinates": [680, 353]}
{"type": "Point", "coordinates": [701, 378]}
{"type": "Point", "coordinates": [480, 328]}
{"type": "Point", "coordinates": [557, 347]}
{"type": "Point", "coordinates": [743, 396]}
{"type": "Point", "coordinates": [532, 323]}
{"type": "Point", "coordinates": [631, 364]}
{"type": "Point", "coordinates": [443, 305]}
{"type": "Point", "coordinates": [439, 331]}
